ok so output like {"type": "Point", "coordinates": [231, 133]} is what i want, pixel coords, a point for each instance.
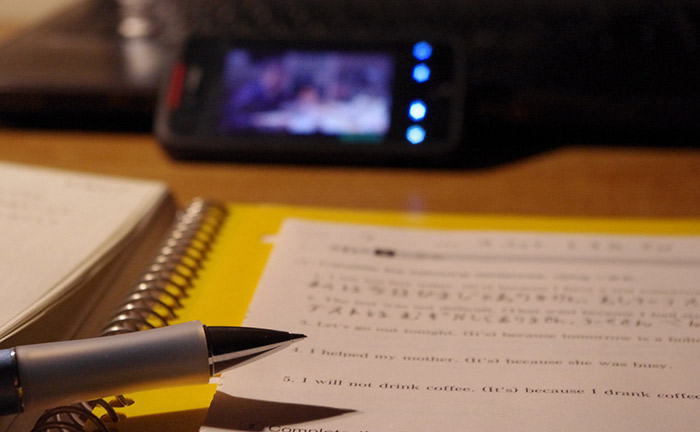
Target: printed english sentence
{"type": "Point", "coordinates": [497, 389]}
{"type": "Point", "coordinates": [483, 360]}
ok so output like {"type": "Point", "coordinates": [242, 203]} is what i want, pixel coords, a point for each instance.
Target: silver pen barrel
{"type": "Point", "coordinates": [66, 372]}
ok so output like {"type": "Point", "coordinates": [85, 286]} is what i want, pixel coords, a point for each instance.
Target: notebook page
{"type": "Point", "coordinates": [416, 330]}
{"type": "Point", "coordinates": [55, 225]}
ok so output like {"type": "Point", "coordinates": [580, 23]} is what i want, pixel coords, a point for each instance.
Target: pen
{"type": "Point", "coordinates": [51, 374]}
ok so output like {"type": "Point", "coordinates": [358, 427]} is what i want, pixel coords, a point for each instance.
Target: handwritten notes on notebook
{"type": "Point", "coordinates": [55, 226]}
{"type": "Point", "coordinates": [413, 330]}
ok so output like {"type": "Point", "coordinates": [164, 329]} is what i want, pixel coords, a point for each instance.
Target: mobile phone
{"type": "Point", "coordinates": [335, 101]}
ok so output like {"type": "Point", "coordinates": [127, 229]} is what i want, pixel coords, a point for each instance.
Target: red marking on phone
{"type": "Point", "coordinates": [177, 80]}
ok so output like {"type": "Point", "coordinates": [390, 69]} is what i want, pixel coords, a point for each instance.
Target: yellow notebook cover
{"type": "Point", "coordinates": [224, 289]}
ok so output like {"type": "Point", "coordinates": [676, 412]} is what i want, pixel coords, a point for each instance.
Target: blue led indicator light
{"type": "Point", "coordinates": [417, 110]}
{"type": "Point", "coordinates": [415, 134]}
{"type": "Point", "coordinates": [422, 51]}
{"type": "Point", "coordinates": [421, 73]}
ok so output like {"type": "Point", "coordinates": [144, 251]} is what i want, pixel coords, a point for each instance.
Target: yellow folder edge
{"type": "Point", "coordinates": [224, 290]}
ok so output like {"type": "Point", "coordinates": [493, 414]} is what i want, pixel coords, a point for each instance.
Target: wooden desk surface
{"type": "Point", "coordinates": [574, 181]}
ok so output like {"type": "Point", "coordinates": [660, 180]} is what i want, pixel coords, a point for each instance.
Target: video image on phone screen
{"type": "Point", "coordinates": [293, 92]}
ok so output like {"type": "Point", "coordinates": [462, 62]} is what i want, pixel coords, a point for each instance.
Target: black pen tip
{"type": "Point", "coordinates": [224, 340]}
{"type": "Point", "coordinates": [233, 346]}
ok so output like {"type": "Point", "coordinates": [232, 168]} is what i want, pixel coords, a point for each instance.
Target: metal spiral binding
{"type": "Point", "coordinates": [152, 302]}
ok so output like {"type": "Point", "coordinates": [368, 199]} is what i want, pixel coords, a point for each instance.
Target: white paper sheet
{"type": "Point", "coordinates": [54, 227]}
{"type": "Point", "coordinates": [412, 330]}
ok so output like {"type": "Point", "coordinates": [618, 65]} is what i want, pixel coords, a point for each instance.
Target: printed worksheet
{"type": "Point", "coordinates": [430, 330]}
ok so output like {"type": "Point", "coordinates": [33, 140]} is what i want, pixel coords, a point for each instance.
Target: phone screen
{"type": "Point", "coordinates": [334, 93]}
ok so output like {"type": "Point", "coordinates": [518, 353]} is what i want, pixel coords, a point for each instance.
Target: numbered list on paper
{"type": "Point", "coordinates": [415, 330]}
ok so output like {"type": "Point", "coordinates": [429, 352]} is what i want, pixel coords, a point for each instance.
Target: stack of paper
{"type": "Point", "coordinates": [59, 232]}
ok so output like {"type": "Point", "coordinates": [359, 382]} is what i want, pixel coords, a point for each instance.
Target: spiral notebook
{"type": "Point", "coordinates": [224, 250]}
{"type": "Point", "coordinates": [207, 267]}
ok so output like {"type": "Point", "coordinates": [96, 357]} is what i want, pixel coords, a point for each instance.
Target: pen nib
{"type": "Point", "coordinates": [230, 347]}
